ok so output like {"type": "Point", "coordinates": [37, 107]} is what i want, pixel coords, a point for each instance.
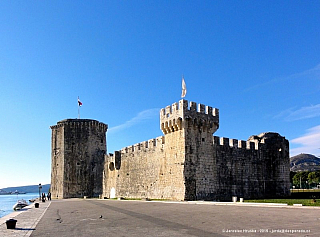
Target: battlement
{"type": "Point", "coordinates": [183, 107]}
{"type": "Point", "coordinates": [186, 163]}
{"type": "Point", "coordinates": [146, 145]}
{"type": "Point", "coordinates": [234, 143]}
{"type": "Point", "coordinates": [174, 117]}
{"type": "Point", "coordinates": [81, 122]}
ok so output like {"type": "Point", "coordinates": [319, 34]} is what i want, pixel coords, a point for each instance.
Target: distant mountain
{"type": "Point", "coordinates": [304, 162]}
{"type": "Point", "coordinates": [28, 189]}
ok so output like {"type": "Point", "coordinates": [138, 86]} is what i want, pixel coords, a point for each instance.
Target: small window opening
{"type": "Point", "coordinates": [111, 166]}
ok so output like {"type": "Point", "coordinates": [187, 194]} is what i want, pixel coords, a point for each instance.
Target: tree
{"type": "Point", "coordinates": [292, 174]}
{"type": "Point", "coordinates": [300, 179]}
{"type": "Point", "coordinates": [314, 178]}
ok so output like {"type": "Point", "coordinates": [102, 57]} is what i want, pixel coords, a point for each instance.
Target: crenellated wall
{"type": "Point", "coordinates": [189, 163]}
{"type": "Point", "coordinates": [173, 117]}
{"type": "Point", "coordinates": [257, 168]}
{"type": "Point", "coordinates": [144, 170]}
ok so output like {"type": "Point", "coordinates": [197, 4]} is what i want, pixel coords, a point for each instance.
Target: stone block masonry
{"type": "Point", "coordinates": [189, 163]}
{"type": "Point", "coordinates": [77, 158]}
{"type": "Point", "coordinates": [186, 163]}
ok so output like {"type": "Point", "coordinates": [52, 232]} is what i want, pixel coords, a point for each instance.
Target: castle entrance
{"type": "Point", "coordinates": [113, 193]}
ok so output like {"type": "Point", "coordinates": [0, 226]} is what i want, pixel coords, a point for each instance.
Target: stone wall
{"type": "Point", "coordinates": [57, 161]}
{"type": "Point", "coordinates": [145, 170]}
{"type": "Point", "coordinates": [78, 150]}
{"type": "Point", "coordinates": [257, 168]}
{"type": "Point", "coordinates": [189, 163]}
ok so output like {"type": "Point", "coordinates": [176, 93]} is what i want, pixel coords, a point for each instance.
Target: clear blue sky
{"type": "Point", "coordinates": [258, 62]}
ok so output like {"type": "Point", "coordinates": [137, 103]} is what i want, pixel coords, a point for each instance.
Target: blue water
{"type": "Point", "coordinates": [7, 201]}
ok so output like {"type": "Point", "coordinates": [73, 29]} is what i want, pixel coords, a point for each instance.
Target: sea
{"type": "Point", "coordinates": [7, 201]}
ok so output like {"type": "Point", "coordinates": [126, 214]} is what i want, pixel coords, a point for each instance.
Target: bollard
{"type": "Point", "coordinates": [234, 199]}
{"type": "Point", "coordinates": [11, 223]}
{"type": "Point", "coordinates": [36, 205]}
{"type": "Point", "coordinates": [241, 199]}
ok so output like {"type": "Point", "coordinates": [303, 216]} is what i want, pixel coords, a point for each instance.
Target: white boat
{"type": "Point", "coordinates": [20, 204]}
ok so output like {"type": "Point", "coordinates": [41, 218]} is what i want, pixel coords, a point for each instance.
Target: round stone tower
{"type": "Point", "coordinates": [78, 147]}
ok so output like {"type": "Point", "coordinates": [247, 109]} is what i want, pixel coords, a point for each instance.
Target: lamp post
{"type": "Point", "coordinates": [40, 187]}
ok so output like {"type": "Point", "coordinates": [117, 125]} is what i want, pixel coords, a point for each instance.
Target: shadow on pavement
{"type": "Point", "coordinates": [24, 229]}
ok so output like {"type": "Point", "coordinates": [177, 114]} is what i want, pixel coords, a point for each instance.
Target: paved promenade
{"type": "Point", "coordinates": [92, 217]}
{"type": "Point", "coordinates": [27, 219]}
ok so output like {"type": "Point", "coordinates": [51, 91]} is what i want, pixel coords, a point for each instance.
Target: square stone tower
{"type": "Point", "coordinates": [188, 131]}
{"type": "Point", "coordinates": [78, 147]}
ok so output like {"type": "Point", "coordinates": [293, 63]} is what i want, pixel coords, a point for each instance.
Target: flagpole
{"type": "Point", "coordinates": [78, 108]}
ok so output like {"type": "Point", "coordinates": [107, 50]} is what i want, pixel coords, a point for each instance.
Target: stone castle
{"type": "Point", "coordinates": [186, 163]}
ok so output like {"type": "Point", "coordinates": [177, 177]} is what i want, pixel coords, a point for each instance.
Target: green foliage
{"type": "Point", "coordinates": [305, 179]}
{"type": "Point", "coordinates": [292, 174]}
{"type": "Point", "coordinates": [300, 179]}
{"type": "Point", "coordinates": [314, 177]}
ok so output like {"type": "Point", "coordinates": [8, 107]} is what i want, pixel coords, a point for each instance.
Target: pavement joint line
{"type": "Point", "coordinates": [29, 232]}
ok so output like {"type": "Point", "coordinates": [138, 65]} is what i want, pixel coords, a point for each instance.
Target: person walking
{"type": "Point", "coordinates": [43, 197]}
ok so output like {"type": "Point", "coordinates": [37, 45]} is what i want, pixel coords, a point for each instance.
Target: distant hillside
{"type": "Point", "coordinates": [304, 162]}
{"type": "Point", "coordinates": [28, 189]}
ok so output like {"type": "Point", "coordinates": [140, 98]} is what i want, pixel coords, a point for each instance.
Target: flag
{"type": "Point", "coordinates": [184, 88]}
{"type": "Point", "coordinates": [79, 102]}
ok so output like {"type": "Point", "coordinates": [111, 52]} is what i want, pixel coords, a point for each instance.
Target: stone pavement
{"type": "Point", "coordinates": [93, 217]}
{"type": "Point", "coordinates": [27, 219]}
